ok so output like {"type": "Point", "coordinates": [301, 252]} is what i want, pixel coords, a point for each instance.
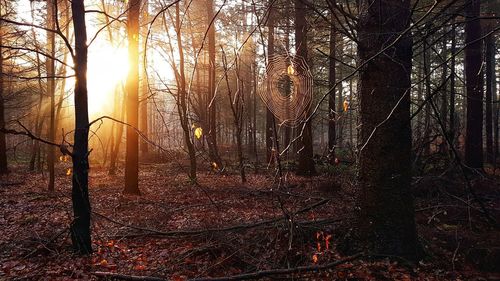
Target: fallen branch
{"type": "Point", "coordinates": [208, 230]}
{"type": "Point", "coordinates": [127, 277]}
{"type": "Point", "coordinates": [245, 276]}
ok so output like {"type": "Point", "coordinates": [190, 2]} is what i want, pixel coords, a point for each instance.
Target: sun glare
{"type": "Point", "coordinates": [107, 70]}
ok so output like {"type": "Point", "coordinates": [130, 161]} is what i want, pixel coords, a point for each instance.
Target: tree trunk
{"type": "Point", "coordinates": [332, 137]}
{"type": "Point", "coordinates": [3, 146]}
{"type": "Point", "coordinates": [51, 90]}
{"type": "Point", "coordinates": [212, 118]}
{"type": "Point", "coordinates": [427, 118]}
{"type": "Point", "coordinates": [182, 99]}
{"type": "Point", "coordinates": [144, 87]}
{"type": "Point", "coordinates": [387, 218]}
{"type": "Point", "coordinates": [269, 114]}
{"type": "Point", "coordinates": [474, 84]}
{"type": "Point", "coordinates": [306, 161]}
{"type": "Point", "coordinates": [490, 79]}
{"type": "Point", "coordinates": [132, 98]}
{"type": "Point", "coordinates": [452, 126]}
{"type": "Point", "coordinates": [80, 227]}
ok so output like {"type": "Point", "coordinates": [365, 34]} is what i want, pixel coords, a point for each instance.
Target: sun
{"type": "Point", "coordinates": [106, 73]}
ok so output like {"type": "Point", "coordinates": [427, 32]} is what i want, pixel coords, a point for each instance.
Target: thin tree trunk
{"type": "Point", "coordinates": [269, 114]}
{"type": "Point", "coordinates": [490, 78]}
{"type": "Point", "coordinates": [182, 99]}
{"type": "Point", "coordinates": [427, 118]}
{"type": "Point", "coordinates": [144, 87]}
{"type": "Point", "coordinates": [452, 125]}
{"type": "Point", "coordinates": [212, 104]}
{"type": "Point", "coordinates": [132, 98]}
{"type": "Point", "coordinates": [332, 137]}
{"type": "Point", "coordinates": [51, 90]}
{"type": "Point", "coordinates": [3, 146]}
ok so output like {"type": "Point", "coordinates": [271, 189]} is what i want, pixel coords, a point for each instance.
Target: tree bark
{"type": "Point", "coordinates": [132, 98]}
{"type": "Point", "coordinates": [3, 146]}
{"type": "Point", "coordinates": [212, 104]}
{"type": "Point", "coordinates": [490, 79]}
{"type": "Point", "coordinates": [387, 219]}
{"type": "Point", "coordinates": [332, 137]}
{"type": "Point", "coordinates": [182, 99]}
{"type": "Point", "coordinates": [474, 85]}
{"type": "Point", "coordinates": [51, 90]}
{"type": "Point", "coordinates": [269, 114]}
{"type": "Point", "coordinates": [306, 161]}
{"type": "Point", "coordinates": [452, 126]}
{"type": "Point", "coordinates": [80, 227]}
{"type": "Point", "coordinates": [144, 87]}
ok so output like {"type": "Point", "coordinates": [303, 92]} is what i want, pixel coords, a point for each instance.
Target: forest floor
{"type": "Point", "coordinates": [177, 230]}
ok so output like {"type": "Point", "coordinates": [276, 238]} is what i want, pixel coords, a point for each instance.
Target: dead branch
{"type": "Point", "coordinates": [245, 276]}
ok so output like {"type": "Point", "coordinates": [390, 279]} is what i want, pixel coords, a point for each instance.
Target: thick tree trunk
{"type": "Point", "coordinates": [387, 218]}
{"type": "Point", "coordinates": [306, 161]}
{"type": "Point", "coordinates": [474, 84]}
{"type": "Point", "coordinates": [132, 98]}
{"type": "Point", "coordinates": [332, 137]}
{"type": "Point", "coordinates": [80, 227]}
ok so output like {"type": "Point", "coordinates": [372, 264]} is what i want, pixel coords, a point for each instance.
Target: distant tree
{"type": "Point", "coordinates": [306, 161]}
{"type": "Point", "coordinates": [132, 100]}
{"type": "Point", "coordinates": [212, 104]}
{"type": "Point", "coordinates": [474, 85]}
{"type": "Point", "coordinates": [182, 97]}
{"type": "Point", "coordinates": [332, 137]}
{"type": "Point", "coordinates": [51, 88]}
{"type": "Point", "coordinates": [144, 82]}
{"type": "Point", "coordinates": [269, 115]}
{"type": "Point", "coordinates": [490, 80]}
{"type": "Point", "coordinates": [80, 227]}
{"type": "Point", "coordinates": [386, 219]}
{"type": "Point", "coordinates": [3, 146]}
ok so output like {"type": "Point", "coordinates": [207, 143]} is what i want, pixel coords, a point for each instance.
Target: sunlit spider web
{"type": "Point", "coordinates": [287, 89]}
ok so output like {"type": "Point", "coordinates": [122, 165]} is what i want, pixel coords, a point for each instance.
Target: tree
{"type": "Point", "coordinates": [80, 227]}
{"type": "Point", "coordinates": [386, 221]}
{"type": "Point", "coordinates": [144, 85]}
{"type": "Point", "coordinates": [332, 138]}
{"type": "Point", "coordinates": [132, 99]}
{"type": "Point", "coordinates": [490, 80]}
{"type": "Point", "coordinates": [306, 161]}
{"type": "Point", "coordinates": [182, 99]}
{"type": "Point", "coordinates": [269, 114]}
{"type": "Point", "coordinates": [3, 146]}
{"type": "Point", "coordinates": [51, 89]}
{"type": "Point", "coordinates": [474, 86]}
{"type": "Point", "coordinates": [212, 104]}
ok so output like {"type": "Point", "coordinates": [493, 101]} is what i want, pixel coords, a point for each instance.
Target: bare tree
{"type": "Point", "coordinates": [387, 218]}
{"type": "Point", "coordinates": [474, 84]}
{"type": "Point", "coordinates": [80, 227]}
{"type": "Point", "coordinates": [306, 161]}
{"type": "Point", "coordinates": [132, 100]}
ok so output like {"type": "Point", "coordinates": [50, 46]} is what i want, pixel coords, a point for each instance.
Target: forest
{"type": "Point", "coordinates": [249, 140]}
